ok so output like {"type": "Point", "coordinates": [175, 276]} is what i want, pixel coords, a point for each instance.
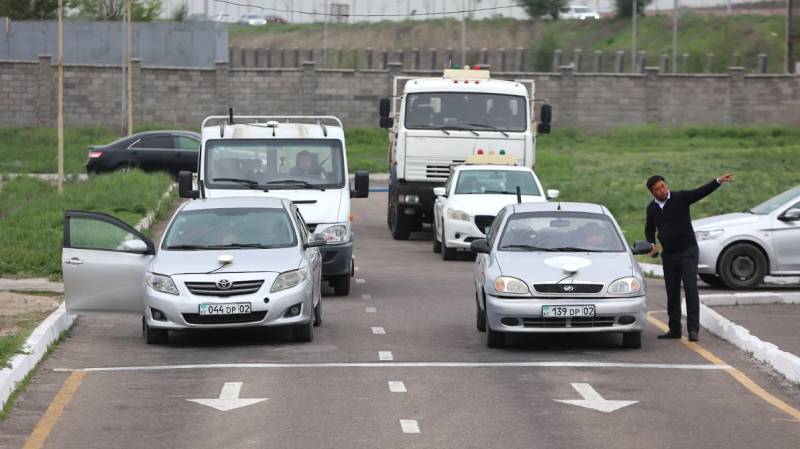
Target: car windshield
{"type": "Point", "coordinates": [496, 182]}
{"type": "Point", "coordinates": [274, 163]}
{"type": "Point", "coordinates": [470, 111]}
{"type": "Point", "coordinates": [769, 206]}
{"type": "Point", "coordinates": [230, 228]}
{"type": "Point", "coordinates": [560, 231]}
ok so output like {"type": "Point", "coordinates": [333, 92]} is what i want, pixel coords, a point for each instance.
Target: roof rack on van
{"type": "Point", "coordinates": [251, 119]}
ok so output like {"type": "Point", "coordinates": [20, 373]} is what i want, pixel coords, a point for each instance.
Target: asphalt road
{"type": "Point", "coordinates": [450, 390]}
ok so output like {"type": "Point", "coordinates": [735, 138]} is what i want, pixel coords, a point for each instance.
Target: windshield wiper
{"type": "Point", "coordinates": [438, 128]}
{"type": "Point", "coordinates": [187, 247]}
{"type": "Point", "coordinates": [459, 128]}
{"type": "Point", "coordinates": [246, 182]}
{"type": "Point", "coordinates": [304, 184]}
{"type": "Point", "coordinates": [576, 249]}
{"type": "Point", "coordinates": [493, 128]}
{"type": "Point", "coordinates": [238, 245]}
{"type": "Point", "coordinates": [528, 247]}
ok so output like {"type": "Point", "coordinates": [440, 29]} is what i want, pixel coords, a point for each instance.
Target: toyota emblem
{"type": "Point", "coordinates": [223, 284]}
{"type": "Point", "coordinates": [568, 288]}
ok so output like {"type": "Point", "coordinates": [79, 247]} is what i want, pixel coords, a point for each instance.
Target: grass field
{"type": "Point", "coordinates": [31, 215]}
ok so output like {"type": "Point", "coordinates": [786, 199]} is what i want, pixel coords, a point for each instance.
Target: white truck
{"type": "Point", "coordinates": [436, 123]}
{"type": "Point", "coordinates": [301, 158]}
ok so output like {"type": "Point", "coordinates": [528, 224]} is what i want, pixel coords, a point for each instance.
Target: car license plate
{"type": "Point", "coordinates": [225, 309]}
{"type": "Point", "coordinates": [568, 311]}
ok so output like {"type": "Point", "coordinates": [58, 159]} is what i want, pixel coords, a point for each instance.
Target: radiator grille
{"type": "Point", "coordinates": [236, 288]}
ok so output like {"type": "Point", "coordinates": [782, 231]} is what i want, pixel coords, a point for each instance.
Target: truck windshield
{"type": "Point", "coordinates": [472, 111]}
{"type": "Point", "coordinates": [276, 163]}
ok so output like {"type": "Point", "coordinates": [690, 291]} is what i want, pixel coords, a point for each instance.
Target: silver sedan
{"type": "Point", "coordinates": [232, 262]}
{"type": "Point", "coordinates": [558, 267]}
{"type": "Point", "coordinates": [738, 250]}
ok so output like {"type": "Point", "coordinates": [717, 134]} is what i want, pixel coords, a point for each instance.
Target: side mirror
{"type": "Point", "coordinates": [546, 114]}
{"type": "Point", "coordinates": [314, 241]}
{"type": "Point", "coordinates": [386, 122]}
{"type": "Point", "coordinates": [642, 247]}
{"type": "Point", "coordinates": [439, 191]}
{"type": "Point", "coordinates": [361, 182]}
{"type": "Point", "coordinates": [135, 246]}
{"type": "Point", "coordinates": [543, 128]}
{"type": "Point", "coordinates": [385, 107]}
{"type": "Point", "coordinates": [480, 246]}
{"type": "Point", "coordinates": [552, 194]}
{"type": "Point", "coordinates": [792, 214]}
{"type": "Point", "coordinates": [185, 186]}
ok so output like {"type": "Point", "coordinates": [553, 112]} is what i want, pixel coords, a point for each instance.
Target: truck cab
{"type": "Point", "coordinates": [436, 123]}
{"type": "Point", "coordinates": [303, 159]}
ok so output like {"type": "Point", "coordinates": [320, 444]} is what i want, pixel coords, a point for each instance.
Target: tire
{"type": "Point", "coordinates": [340, 284]}
{"type": "Point", "coordinates": [399, 225]}
{"type": "Point", "coordinates": [318, 314]}
{"type": "Point", "coordinates": [437, 245]}
{"type": "Point", "coordinates": [447, 253]}
{"type": "Point", "coordinates": [154, 336]}
{"type": "Point", "coordinates": [304, 333]}
{"type": "Point", "coordinates": [712, 280]}
{"type": "Point", "coordinates": [742, 267]}
{"type": "Point", "coordinates": [480, 317]}
{"type": "Point", "coordinates": [632, 340]}
{"type": "Point", "coordinates": [495, 339]}
{"type": "Point", "coordinates": [124, 167]}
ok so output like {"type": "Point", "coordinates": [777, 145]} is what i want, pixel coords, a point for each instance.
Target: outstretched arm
{"type": "Point", "coordinates": [705, 190]}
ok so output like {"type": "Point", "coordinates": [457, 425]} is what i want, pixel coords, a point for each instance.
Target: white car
{"type": "Point", "coordinates": [252, 20]}
{"type": "Point", "coordinates": [579, 12]}
{"type": "Point", "coordinates": [474, 194]}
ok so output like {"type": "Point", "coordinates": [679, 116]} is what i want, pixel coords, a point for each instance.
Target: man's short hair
{"type": "Point", "coordinates": [651, 181]}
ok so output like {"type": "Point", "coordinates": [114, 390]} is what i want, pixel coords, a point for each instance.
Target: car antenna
{"type": "Point", "coordinates": [559, 206]}
{"type": "Point", "coordinates": [519, 195]}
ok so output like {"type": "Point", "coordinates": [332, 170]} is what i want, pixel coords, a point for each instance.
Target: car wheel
{"type": "Point", "coordinates": [447, 253]}
{"type": "Point", "coordinates": [399, 224]}
{"type": "Point", "coordinates": [712, 280]}
{"type": "Point", "coordinates": [304, 333]}
{"type": "Point", "coordinates": [318, 314]}
{"type": "Point", "coordinates": [632, 340]}
{"type": "Point", "coordinates": [154, 336]}
{"type": "Point", "coordinates": [437, 245]}
{"type": "Point", "coordinates": [123, 168]}
{"type": "Point", "coordinates": [742, 267]}
{"type": "Point", "coordinates": [341, 284]}
{"type": "Point", "coordinates": [480, 317]}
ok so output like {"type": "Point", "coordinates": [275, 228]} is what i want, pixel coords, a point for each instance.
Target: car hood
{"type": "Point", "coordinates": [724, 221]}
{"type": "Point", "coordinates": [275, 260]}
{"type": "Point", "coordinates": [481, 204]}
{"type": "Point", "coordinates": [546, 267]}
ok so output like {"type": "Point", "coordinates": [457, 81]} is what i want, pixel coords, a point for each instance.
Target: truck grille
{"type": "Point", "coordinates": [237, 288]}
{"type": "Point", "coordinates": [252, 317]}
{"type": "Point", "coordinates": [440, 171]}
{"type": "Point", "coordinates": [568, 288]}
{"type": "Point", "coordinates": [598, 321]}
{"type": "Point", "coordinates": [483, 221]}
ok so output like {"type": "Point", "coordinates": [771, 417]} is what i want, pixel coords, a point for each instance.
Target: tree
{"type": "Point", "coordinates": [625, 7]}
{"type": "Point", "coordinates": [180, 12]}
{"type": "Point", "coordinates": [141, 10]}
{"type": "Point", "coordinates": [29, 9]}
{"type": "Point", "coordinates": [539, 8]}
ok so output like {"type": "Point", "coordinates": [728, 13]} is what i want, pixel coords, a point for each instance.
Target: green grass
{"type": "Point", "coordinates": [10, 344]}
{"type": "Point", "coordinates": [31, 215]}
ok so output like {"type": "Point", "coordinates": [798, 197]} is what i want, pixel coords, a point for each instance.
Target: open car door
{"type": "Point", "coordinates": [103, 262]}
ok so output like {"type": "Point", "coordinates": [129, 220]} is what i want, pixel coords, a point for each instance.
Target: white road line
{"type": "Point", "coordinates": [370, 310]}
{"type": "Point", "coordinates": [409, 425]}
{"type": "Point", "coordinates": [396, 386]}
{"type": "Point", "coordinates": [357, 268]}
{"type": "Point", "coordinates": [550, 364]}
{"type": "Point", "coordinates": [385, 355]}
{"type": "Point", "coordinates": [360, 281]}
{"type": "Point", "coordinates": [366, 296]}
{"type": "Point", "coordinates": [378, 331]}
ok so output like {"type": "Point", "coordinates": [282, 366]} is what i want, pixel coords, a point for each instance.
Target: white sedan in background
{"type": "Point", "coordinates": [474, 194]}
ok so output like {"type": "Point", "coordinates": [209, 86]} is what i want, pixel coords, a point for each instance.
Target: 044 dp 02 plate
{"type": "Point", "coordinates": [235, 308]}
{"type": "Point", "coordinates": [568, 311]}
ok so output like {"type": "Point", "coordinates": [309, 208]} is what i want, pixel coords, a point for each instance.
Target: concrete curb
{"type": "Point", "coordinates": [652, 270]}
{"type": "Point", "coordinates": [31, 285]}
{"type": "Point", "coordinates": [50, 177]}
{"type": "Point", "coordinates": [147, 220]}
{"type": "Point", "coordinates": [750, 298]}
{"type": "Point", "coordinates": [787, 364]}
{"type": "Point", "coordinates": [35, 348]}
{"type": "Point", "coordinates": [656, 270]}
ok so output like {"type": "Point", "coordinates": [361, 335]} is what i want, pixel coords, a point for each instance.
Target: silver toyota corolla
{"type": "Point", "coordinates": [738, 250]}
{"type": "Point", "coordinates": [230, 262]}
{"type": "Point", "coordinates": [558, 267]}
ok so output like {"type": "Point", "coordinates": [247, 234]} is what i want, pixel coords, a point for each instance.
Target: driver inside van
{"type": "Point", "coordinates": [306, 166]}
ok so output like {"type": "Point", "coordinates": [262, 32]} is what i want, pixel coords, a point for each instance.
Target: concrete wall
{"type": "Point", "coordinates": [185, 96]}
{"type": "Point", "coordinates": [190, 44]}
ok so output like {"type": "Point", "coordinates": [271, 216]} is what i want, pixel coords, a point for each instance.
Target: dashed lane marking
{"type": "Point", "coordinates": [378, 330]}
{"type": "Point", "coordinates": [370, 310]}
{"type": "Point", "coordinates": [360, 281]}
{"type": "Point", "coordinates": [409, 425]}
{"type": "Point", "coordinates": [396, 386]}
{"type": "Point", "coordinates": [366, 296]}
{"type": "Point", "coordinates": [385, 355]}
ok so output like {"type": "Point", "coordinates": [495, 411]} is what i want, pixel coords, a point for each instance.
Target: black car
{"type": "Point", "coordinates": [170, 151]}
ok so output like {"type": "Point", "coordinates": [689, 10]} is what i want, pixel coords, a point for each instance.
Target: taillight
{"type": "Point", "coordinates": [95, 154]}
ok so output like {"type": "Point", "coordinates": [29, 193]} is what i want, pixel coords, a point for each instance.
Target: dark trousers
{"type": "Point", "coordinates": [681, 266]}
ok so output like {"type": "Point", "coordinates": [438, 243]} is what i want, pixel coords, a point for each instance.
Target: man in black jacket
{"type": "Point", "coordinates": [668, 214]}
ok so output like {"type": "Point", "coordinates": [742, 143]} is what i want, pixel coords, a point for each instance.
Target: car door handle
{"type": "Point", "coordinates": [74, 261]}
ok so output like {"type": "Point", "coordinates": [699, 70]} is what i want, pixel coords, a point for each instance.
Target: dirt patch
{"type": "Point", "coordinates": [16, 308]}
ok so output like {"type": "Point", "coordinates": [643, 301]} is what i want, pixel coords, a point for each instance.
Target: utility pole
{"type": "Point", "coordinates": [675, 37]}
{"type": "Point", "coordinates": [60, 119]}
{"type": "Point", "coordinates": [790, 37]}
{"type": "Point", "coordinates": [463, 33]}
{"type": "Point", "coordinates": [633, 43]}
{"type": "Point", "coordinates": [326, 16]}
{"type": "Point", "coordinates": [130, 67]}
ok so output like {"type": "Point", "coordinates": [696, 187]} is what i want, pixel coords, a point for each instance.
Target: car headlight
{"type": "Point", "coordinates": [507, 284]}
{"type": "Point", "coordinates": [336, 234]}
{"type": "Point", "coordinates": [625, 286]}
{"type": "Point", "coordinates": [711, 234]}
{"type": "Point", "coordinates": [454, 214]}
{"type": "Point", "coordinates": [288, 279]}
{"type": "Point", "coordinates": [160, 283]}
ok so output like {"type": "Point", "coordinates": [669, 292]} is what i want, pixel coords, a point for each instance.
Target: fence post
{"type": "Point", "coordinates": [663, 63]}
{"type": "Point", "coordinates": [415, 58]}
{"type": "Point", "coordinates": [432, 52]}
{"type": "Point", "coordinates": [296, 53]}
{"type": "Point", "coordinates": [685, 57]}
{"type": "Point", "coordinates": [597, 61]}
{"type": "Point", "coordinates": [501, 56]}
{"type": "Point", "coordinates": [641, 62]}
{"type": "Point", "coordinates": [384, 58]}
{"type": "Point", "coordinates": [558, 55]}
{"type": "Point", "coordinates": [310, 56]}
{"type": "Point", "coordinates": [619, 62]}
{"type": "Point", "coordinates": [368, 52]}
{"type": "Point", "coordinates": [709, 62]}
{"type": "Point", "coordinates": [762, 63]}
{"type": "Point", "coordinates": [401, 57]}
{"type": "Point", "coordinates": [484, 56]}
{"type": "Point", "coordinates": [449, 52]}
{"type": "Point", "coordinates": [577, 59]}
{"type": "Point", "coordinates": [520, 59]}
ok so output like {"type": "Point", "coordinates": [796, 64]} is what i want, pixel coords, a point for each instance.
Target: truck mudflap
{"type": "Point", "coordinates": [337, 260]}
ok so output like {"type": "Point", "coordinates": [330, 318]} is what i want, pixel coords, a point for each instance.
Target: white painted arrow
{"type": "Point", "coordinates": [593, 400]}
{"type": "Point", "coordinates": [228, 398]}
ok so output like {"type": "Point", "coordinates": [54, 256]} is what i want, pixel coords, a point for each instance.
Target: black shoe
{"type": "Point", "coordinates": [693, 336]}
{"type": "Point", "coordinates": [671, 335]}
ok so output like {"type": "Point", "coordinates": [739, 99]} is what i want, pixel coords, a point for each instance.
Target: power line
{"type": "Point", "coordinates": [455, 11]}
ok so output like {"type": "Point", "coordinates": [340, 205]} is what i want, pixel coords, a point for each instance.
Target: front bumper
{"type": "Point", "coordinates": [709, 252]}
{"type": "Point", "coordinates": [460, 233]}
{"type": "Point", "coordinates": [529, 310]}
{"type": "Point", "coordinates": [267, 309]}
{"type": "Point", "coordinates": [337, 260]}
